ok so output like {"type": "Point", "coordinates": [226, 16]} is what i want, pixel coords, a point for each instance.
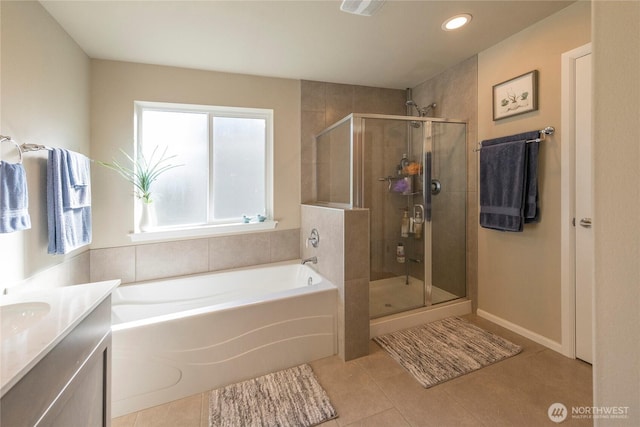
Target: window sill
{"type": "Point", "coordinates": [201, 231]}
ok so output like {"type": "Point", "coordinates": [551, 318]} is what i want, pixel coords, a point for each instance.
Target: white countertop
{"type": "Point", "coordinates": [48, 315]}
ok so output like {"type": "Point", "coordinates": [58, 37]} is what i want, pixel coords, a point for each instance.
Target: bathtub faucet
{"type": "Point", "coordinates": [313, 260]}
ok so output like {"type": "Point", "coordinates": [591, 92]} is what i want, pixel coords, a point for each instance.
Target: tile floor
{"type": "Point", "coordinates": [375, 391]}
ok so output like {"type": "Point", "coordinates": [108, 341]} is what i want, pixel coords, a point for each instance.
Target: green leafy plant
{"type": "Point", "coordinates": [143, 172]}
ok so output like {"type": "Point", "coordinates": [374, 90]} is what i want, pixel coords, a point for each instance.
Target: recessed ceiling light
{"type": "Point", "coordinates": [456, 22]}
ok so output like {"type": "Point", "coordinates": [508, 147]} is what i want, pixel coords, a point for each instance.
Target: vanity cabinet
{"type": "Point", "coordinates": [70, 386]}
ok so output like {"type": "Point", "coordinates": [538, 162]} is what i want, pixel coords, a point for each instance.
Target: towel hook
{"type": "Point", "coordinates": [8, 138]}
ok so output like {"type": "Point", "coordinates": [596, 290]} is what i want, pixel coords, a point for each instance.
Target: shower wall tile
{"type": "Point", "coordinates": [339, 101]}
{"type": "Point", "coordinates": [356, 244]}
{"type": "Point", "coordinates": [330, 252]}
{"type": "Point", "coordinates": [239, 251]}
{"type": "Point", "coordinates": [285, 245]}
{"type": "Point", "coordinates": [356, 318]}
{"type": "Point", "coordinates": [312, 96]}
{"type": "Point", "coordinates": [167, 259]}
{"type": "Point", "coordinates": [114, 263]}
{"type": "Point", "coordinates": [329, 103]}
{"type": "Point", "coordinates": [343, 251]}
{"type": "Point", "coordinates": [379, 100]}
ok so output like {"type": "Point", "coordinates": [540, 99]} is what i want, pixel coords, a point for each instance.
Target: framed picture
{"type": "Point", "coordinates": [516, 96]}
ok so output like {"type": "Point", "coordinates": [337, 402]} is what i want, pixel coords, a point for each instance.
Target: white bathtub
{"type": "Point", "coordinates": [182, 336]}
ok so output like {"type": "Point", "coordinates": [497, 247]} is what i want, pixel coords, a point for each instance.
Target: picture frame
{"type": "Point", "coordinates": [516, 96]}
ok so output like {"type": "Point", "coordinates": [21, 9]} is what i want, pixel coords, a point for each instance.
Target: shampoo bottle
{"type": "Point", "coordinates": [400, 253]}
{"type": "Point", "coordinates": [404, 229]}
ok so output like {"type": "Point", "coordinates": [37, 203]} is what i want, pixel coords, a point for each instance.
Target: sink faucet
{"type": "Point", "coordinates": [313, 260]}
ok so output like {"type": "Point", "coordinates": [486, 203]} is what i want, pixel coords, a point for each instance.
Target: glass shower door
{"type": "Point", "coordinates": [393, 184]}
{"type": "Point", "coordinates": [448, 211]}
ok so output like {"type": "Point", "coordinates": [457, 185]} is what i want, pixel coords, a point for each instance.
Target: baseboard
{"type": "Point", "coordinates": [549, 343]}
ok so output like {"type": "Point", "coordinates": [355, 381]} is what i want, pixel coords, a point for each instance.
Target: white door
{"type": "Point", "coordinates": [584, 273]}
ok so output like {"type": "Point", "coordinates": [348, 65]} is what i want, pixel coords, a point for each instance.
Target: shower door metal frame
{"type": "Point", "coordinates": [358, 179]}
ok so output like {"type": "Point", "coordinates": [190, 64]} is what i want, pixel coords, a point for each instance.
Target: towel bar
{"type": "Point", "coordinates": [549, 130]}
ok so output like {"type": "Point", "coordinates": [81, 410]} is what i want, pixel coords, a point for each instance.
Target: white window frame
{"type": "Point", "coordinates": [221, 227]}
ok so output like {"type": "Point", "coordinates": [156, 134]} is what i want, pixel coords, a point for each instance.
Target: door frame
{"type": "Point", "coordinates": [567, 200]}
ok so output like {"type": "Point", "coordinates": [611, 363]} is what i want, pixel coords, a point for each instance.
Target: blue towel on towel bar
{"type": "Point", "coordinates": [14, 198]}
{"type": "Point", "coordinates": [68, 201]}
{"type": "Point", "coordinates": [508, 182]}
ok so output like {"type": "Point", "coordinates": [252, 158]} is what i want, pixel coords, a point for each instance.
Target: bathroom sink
{"type": "Point", "coordinates": [18, 317]}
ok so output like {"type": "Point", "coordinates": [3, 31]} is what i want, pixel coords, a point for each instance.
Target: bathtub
{"type": "Point", "coordinates": [178, 337]}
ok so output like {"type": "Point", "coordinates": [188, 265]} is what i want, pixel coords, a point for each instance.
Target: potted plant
{"type": "Point", "coordinates": [142, 173]}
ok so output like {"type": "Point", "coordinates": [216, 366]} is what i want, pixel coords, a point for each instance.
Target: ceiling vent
{"type": "Point", "coordinates": [361, 7]}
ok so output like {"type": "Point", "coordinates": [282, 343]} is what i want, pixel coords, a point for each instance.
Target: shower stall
{"type": "Point", "coordinates": [410, 172]}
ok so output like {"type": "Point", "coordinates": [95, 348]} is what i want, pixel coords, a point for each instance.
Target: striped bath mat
{"type": "Point", "coordinates": [292, 397]}
{"type": "Point", "coordinates": [445, 349]}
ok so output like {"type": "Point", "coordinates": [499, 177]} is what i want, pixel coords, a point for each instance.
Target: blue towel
{"type": "Point", "coordinates": [508, 182]}
{"type": "Point", "coordinates": [68, 205]}
{"type": "Point", "coordinates": [14, 198]}
{"type": "Point", "coordinates": [76, 179]}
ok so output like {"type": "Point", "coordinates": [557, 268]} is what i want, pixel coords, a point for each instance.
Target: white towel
{"type": "Point", "coordinates": [14, 198]}
{"type": "Point", "coordinates": [68, 206]}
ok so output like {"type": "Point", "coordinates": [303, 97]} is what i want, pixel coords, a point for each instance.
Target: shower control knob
{"type": "Point", "coordinates": [436, 187]}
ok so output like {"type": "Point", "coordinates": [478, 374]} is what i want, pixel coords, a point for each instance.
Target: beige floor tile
{"type": "Point", "coordinates": [356, 405]}
{"type": "Point", "coordinates": [128, 420]}
{"type": "Point", "coordinates": [425, 407]}
{"type": "Point", "coordinates": [388, 418]}
{"type": "Point", "coordinates": [152, 417]}
{"type": "Point", "coordinates": [185, 412]}
{"type": "Point", "coordinates": [380, 364]}
{"type": "Point", "coordinates": [340, 377]}
{"type": "Point", "coordinates": [204, 413]}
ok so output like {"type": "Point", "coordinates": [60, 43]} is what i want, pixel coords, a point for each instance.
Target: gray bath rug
{"type": "Point", "coordinates": [445, 349]}
{"type": "Point", "coordinates": [292, 397]}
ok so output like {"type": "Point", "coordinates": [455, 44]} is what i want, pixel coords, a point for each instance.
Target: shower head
{"type": "Point", "coordinates": [422, 111]}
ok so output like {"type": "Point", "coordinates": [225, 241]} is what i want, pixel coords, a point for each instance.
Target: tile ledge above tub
{"type": "Point", "coordinates": [171, 233]}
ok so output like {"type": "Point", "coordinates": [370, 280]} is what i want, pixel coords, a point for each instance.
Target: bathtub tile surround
{"type": "Point", "coordinates": [184, 257]}
{"type": "Point", "coordinates": [105, 262]}
{"type": "Point", "coordinates": [343, 257]}
{"type": "Point", "coordinates": [239, 251]}
{"type": "Point", "coordinates": [158, 260]}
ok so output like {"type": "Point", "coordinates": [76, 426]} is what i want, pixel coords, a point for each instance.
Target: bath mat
{"type": "Point", "coordinates": [445, 349]}
{"type": "Point", "coordinates": [292, 397]}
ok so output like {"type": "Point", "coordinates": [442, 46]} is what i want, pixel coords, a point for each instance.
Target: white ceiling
{"type": "Point", "coordinates": [400, 46]}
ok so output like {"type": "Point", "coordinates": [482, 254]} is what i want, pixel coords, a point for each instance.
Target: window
{"type": "Point", "coordinates": [227, 158]}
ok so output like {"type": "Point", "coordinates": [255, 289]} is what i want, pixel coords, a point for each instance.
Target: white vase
{"type": "Point", "coordinates": [148, 217]}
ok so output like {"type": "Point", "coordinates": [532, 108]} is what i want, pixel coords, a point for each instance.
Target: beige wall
{"type": "Point", "coordinates": [519, 273]}
{"type": "Point", "coordinates": [116, 85]}
{"type": "Point", "coordinates": [616, 54]}
{"type": "Point", "coordinates": [45, 100]}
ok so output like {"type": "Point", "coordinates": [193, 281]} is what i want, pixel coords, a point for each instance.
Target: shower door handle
{"type": "Point", "coordinates": [436, 186]}
{"type": "Point", "coordinates": [585, 222]}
